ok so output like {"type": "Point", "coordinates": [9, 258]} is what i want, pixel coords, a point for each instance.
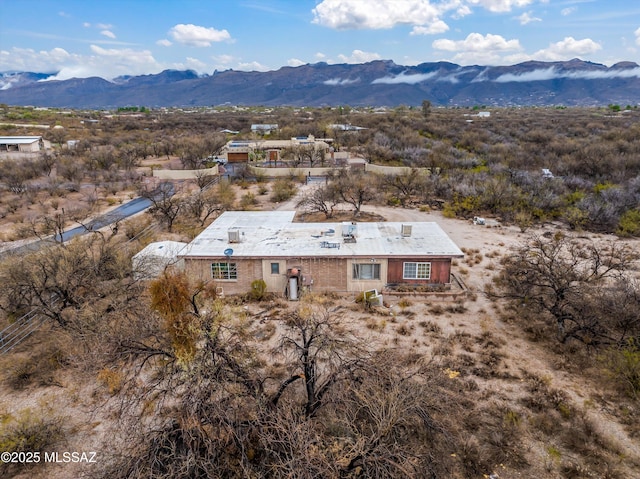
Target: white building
{"type": "Point", "coordinates": [22, 144]}
{"type": "Point", "coordinates": [156, 257]}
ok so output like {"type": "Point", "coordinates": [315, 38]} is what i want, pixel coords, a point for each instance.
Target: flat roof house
{"type": "Point", "coordinates": [242, 246]}
{"type": "Point", "coordinates": [264, 129]}
{"type": "Point", "coordinates": [240, 151]}
{"type": "Point", "coordinates": [23, 144]}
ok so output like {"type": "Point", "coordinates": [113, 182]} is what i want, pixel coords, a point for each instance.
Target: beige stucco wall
{"type": "Point", "coordinates": [275, 282]}
{"type": "Point", "coordinates": [395, 170]}
{"type": "Point", "coordinates": [358, 285]}
{"type": "Point", "coordinates": [184, 174]}
{"type": "Point", "coordinates": [328, 274]}
{"type": "Point", "coordinates": [285, 172]}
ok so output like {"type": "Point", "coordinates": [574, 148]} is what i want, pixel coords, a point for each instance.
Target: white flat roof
{"type": "Point", "coordinates": [272, 234]}
{"type": "Point", "coordinates": [165, 249]}
{"type": "Point", "coordinates": [22, 140]}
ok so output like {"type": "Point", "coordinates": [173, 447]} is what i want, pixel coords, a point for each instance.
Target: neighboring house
{"type": "Point", "coordinates": [264, 129]}
{"type": "Point", "coordinates": [242, 246]}
{"type": "Point", "coordinates": [23, 144]}
{"type": "Point", "coordinates": [346, 127]}
{"type": "Point", "coordinates": [153, 259]}
{"type": "Point", "coordinates": [241, 151]}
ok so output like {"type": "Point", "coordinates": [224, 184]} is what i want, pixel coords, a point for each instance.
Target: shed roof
{"type": "Point", "coordinates": [19, 140]}
{"type": "Point", "coordinates": [274, 235]}
{"type": "Point", "coordinates": [161, 249]}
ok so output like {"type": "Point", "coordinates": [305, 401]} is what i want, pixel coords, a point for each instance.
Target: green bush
{"type": "Point", "coordinates": [629, 224]}
{"type": "Point", "coordinates": [624, 366]}
{"type": "Point", "coordinates": [258, 289]}
{"type": "Point", "coordinates": [282, 190]}
{"type": "Point", "coordinates": [29, 431]}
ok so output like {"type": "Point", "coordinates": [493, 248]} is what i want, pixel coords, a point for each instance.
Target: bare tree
{"type": "Point", "coordinates": [404, 186]}
{"type": "Point", "coordinates": [206, 203]}
{"type": "Point", "coordinates": [60, 281]}
{"type": "Point", "coordinates": [165, 204]}
{"type": "Point", "coordinates": [324, 352]}
{"type": "Point", "coordinates": [562, 277]}
{"type": "Point", "coordinates": [320, 200]}
{"type": "Point", "coordinates": [355, 189]}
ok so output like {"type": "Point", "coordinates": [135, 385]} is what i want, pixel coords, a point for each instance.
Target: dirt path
{"type": "Point", "coordinates": [291, 203]}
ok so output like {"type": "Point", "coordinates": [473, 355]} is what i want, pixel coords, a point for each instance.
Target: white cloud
{"type": "Point", "coordinates": [552, 73]}
{"type": "Point", "coordinates": [108, 63]}
{"type": "Point", "coordinates": [358, 56]}
{"type": "Point", "coordinates": [432, 29]}
{"type": "Point", "coordinates": [476, 42]}
{"type": "Point", "coordinates": [380, 14]}
{"type": "Point", "coordinates": [536, 75]}
{"type": "Point", "coordinates": [567, 49]}
{"type": "Point", "coordinates": [195, 64]}
{"type": "Point", "coordinates": [404, 78]}
{"type": "Point", "coordinates": [86, 25]}
{"type": "Point", "coordinates": [164, 43]}
{"type": "Point", "coordinates": [478, 49]}
{"type": "Point", "coordinates": [295, 62]}
{"type": "Point", "coordinates": [320, 56]}
{"type": "Point", "coordinates": [526, 18]}
{"type": "Point", "coordinates": [26, 59]}
{"type": "Point", "coordinates": [108, 33]}
{"type": "Point", "coordinates": [252, 66]}
{"type": "Point", "coordinates": [340, 81]}
{"type": "Point", "coordinates": [224, 59]}
{"type": "Point", "coordinates": [104, 26]}
{"type": "Point", "coordinates": [196, 36]}
{"type": "Point", "coordinates": [462, 11]}
{"type": "Point", "coordinates": [567, 11]}
{"type": "Point", "coordinates": [500, 5]}
{"type": "Point", "coordinates": [637, 34]}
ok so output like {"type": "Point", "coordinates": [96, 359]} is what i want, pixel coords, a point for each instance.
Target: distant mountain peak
{"type": "Point", "coordinates": [375, 83]}
{"type": "Point", "coordinates": [624, 65]}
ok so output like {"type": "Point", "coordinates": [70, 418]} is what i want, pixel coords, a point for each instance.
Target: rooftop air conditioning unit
{"type": "Point", "coordinates": [234, 236]}
{"type": "Point", "coordinates": [406, 230]}
{"type": "Point", "coordinates": [349, 229]}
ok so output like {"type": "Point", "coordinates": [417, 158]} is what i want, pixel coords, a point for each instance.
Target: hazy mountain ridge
{"type": "Point", "coordinates": [377, 83]}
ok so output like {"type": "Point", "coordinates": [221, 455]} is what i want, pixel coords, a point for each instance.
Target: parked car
{"type": "Point", "coordinates": [217, 160]}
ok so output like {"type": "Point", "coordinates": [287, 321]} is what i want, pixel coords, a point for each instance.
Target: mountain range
{"type": "Point", "coordinates": [377, 83]}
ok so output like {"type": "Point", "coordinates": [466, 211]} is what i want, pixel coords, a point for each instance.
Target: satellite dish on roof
{"type": "Point", "coordinates": [228, 252]}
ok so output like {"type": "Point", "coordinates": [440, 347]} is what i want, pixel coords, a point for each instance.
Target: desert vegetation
{"type": "Point", "coordinates": [533, 372]}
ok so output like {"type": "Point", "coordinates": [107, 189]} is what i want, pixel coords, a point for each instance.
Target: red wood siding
{"type": "Point", "coordinates": [237, 157]}
{"type": "Point", "coordinates": [440, 270]}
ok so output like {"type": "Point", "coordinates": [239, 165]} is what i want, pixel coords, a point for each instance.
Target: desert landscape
{"type": "Point", "coordinates": [167, 378]}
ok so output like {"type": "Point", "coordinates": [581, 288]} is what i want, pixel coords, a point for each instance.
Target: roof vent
{"type": "Point", "coordinates": [406, 230]}
{"type": "Point", "coordinates": [349, 230]}
{"type": "Point", "coordinates": [234, 235]}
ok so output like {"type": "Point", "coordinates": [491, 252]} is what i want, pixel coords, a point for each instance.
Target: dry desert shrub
{"type": "Point", "coordinates": [38, 368]}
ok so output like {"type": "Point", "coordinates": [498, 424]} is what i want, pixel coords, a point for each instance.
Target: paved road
{"type": "Point", "coordinates": [121, 212]}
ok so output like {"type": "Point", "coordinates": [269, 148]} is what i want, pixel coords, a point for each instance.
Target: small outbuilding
{"type": "Point", "coordinates": [22, 144]}
{"type": "Point", "coordinates": [156, 257]}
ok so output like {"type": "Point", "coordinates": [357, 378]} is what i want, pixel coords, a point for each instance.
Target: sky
{"type": "Point", "coordinates": [110, 38]}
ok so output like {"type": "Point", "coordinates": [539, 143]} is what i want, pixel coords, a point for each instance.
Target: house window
{"type": "Point", "coordinates": [366, 271]}
{"type": "Point", "coordinates": [228, 271]}
{"type": "Point", "coordinates": [416, 271]}
{"type": "Point", "coordinates": [275, 268]}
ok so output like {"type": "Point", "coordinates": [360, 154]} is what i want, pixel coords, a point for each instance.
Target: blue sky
{"type": "Point", "coordinates": [109, 38]}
